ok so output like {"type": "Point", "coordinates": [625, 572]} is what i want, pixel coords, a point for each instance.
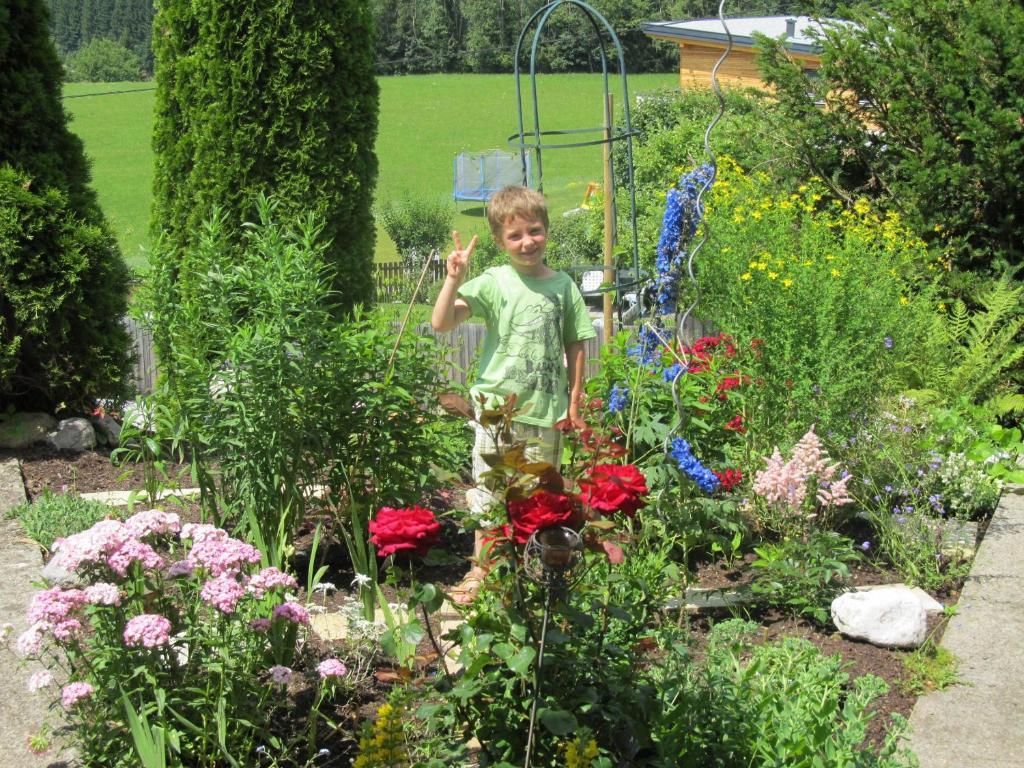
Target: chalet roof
{"type": "Point", "coordinates": [793, 28]}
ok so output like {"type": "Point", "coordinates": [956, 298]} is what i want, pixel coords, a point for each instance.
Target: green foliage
{"type": "Point", "coordinates": [75, 24]}
{"type": "Point", "coordinates": [981, 348]}
{"type": "Point", "coordinates": [103, 60]}
{"type": "Point", "coordinates": [836, 296]}
{"type": "Point", "coordinates": [768, 704]}
{"type": "Point", "coordinates": [272, 394]}
{"type": "Point", "coordinates": [276, 98]}
{"type": "Point", "coordinates": [34, 137]}
{"type": "Point", "coordinates": [55, 515]}
{"type": "Point", "coordinates": [576, 238]}
{"type": "Point", "coordinates": [417, 225]}
{"type": "Point", "coordinates": [929, 668]}
{"type": "Point", "coordinates": [922, 108]}
{"type": "Point", "coordinates": [803, 575]}
{"type": "Point", "coordinates": [62, 343]}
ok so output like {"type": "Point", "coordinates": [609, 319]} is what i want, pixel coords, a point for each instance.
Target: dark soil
{"type": "Point", "coordinates": [45, 469]}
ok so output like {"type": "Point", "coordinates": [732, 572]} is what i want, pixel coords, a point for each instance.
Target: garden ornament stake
{"type": "Point", "coordinates": [552, 558]}
{"type": "Point", "coordinates": [536, 140]}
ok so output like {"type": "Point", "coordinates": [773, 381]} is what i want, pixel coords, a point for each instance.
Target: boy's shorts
{"type": "Point", "coordinates": [542, 444]}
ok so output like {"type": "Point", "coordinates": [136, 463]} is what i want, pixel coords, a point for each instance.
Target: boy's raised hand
{"type": "Point", "coordinates": [458, 260]}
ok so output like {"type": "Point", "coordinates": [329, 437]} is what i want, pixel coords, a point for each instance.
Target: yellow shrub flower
{"type": "Point", "coordinates": [746, 276]}
{"type": "Point", "coordinates": [904, 300]}
{"type": "Point", "coordinates": [787, 282]}
{"type": "Point", "coordinates": [836, 272]}
{"type": "Point", "coordinates": [772, 275]}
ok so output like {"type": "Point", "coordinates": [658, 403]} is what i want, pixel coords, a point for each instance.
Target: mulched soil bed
{"type": "Point", "coordinates": [44, 469]}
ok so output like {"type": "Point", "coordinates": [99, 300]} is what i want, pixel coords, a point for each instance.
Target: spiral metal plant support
{"type": "Point", "coordinates": [681, 318]}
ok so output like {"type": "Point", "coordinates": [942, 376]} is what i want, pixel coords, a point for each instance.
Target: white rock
{"type": "Point", "coordinates": [58, 575]}
{"type": "Point", "coordinates": [73, 435]}
{"type": "Point", "coordinates": [890, 618]}
{"type": "Point", "coordinates": [23, 429]}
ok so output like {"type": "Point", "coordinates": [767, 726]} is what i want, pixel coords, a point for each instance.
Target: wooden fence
{"type": "Point", "coordinates": [393, 282]}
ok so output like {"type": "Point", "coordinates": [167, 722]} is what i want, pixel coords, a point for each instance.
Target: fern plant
{"type": "Point", "coordinates": [982, 348]}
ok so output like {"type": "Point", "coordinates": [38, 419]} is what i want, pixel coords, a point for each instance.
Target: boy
{"type": "Point", "coordinates": [536, 325]}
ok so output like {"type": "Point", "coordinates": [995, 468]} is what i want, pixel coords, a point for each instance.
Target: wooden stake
{"type": "Point", "coordinates": [609, 219]}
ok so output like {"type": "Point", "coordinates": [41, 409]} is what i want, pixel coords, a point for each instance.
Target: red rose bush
{"type": "Point", "coordinates": [408, 529]}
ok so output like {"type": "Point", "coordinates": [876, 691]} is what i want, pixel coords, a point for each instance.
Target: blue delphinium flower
{"type": "Point", "coordinates": [648, 350]}
{"type": "Point", "coordinates": [671, 372]}
{"type": "Point", "coordinates": [617, 399]}
{"type": "Point", "coordinates": [682, 215]}
{"type": "Point", "coordinates": [688, 463]}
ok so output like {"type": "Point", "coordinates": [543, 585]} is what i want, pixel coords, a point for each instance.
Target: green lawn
{"type": "Point", "coordinates": [425, 120]}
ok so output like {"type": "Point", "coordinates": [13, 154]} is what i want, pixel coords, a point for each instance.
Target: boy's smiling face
{"type": "Point", "coordinates": [525, 240]}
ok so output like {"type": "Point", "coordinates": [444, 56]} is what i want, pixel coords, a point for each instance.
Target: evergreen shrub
{"type": "Point", "coordinates": [276, 98]}
{"type": "Point", "coordinates": [102, 60]}
{"type": "Point", "coordinates": [64, 294]}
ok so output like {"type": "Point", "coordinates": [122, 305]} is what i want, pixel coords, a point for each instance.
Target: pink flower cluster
{"type": "Point", "coordinates": [291, 612]}
{"type": "Point", "coordinates": [73, 693]}
{"type": "Point", "coordinates": [108, 542]}
{"type": "Point", "coordinates": [331, 668]}
{"type": "Point", "coordinates": [787, 482]}
{"type": "Point", "coordinates": [213, 549]}
{"type": "Point", "coordinates": [52, 610]}
{"type": "Point", "coordinates": [102, 593]}
{"type": "Point", "coordinates": [149, 630]}
{"type": "Point", "coordinates": [280, 675]}
{"type": "Point", "coordinates": [223, 592]}
{"type": "Point", "coordinates": [269, 579]}
{"type": "Point", "coordinates": [153, 521]}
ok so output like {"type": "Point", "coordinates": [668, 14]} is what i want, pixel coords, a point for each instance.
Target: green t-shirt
{"type": "Point", "coordinates": [530, 320]}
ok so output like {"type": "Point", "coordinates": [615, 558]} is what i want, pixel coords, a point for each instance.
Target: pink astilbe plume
{"type": "Point", "coordinates": [787, 483]}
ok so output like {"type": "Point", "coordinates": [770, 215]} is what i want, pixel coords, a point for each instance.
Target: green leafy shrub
{"type": "Point", "coordinates": [922, 108]}
{"type": "Point", "coordinates": [835, 297]}
{"type": "Point", "coordinates": [284, 102]}
{"type": "Point", "coordinates": [55, 515]}
{"type": "Point", "coordinates": [62, 341]}
{"type": "Point", "coordinates": [417, 225]}
{"type": "Point", "coordinates": [272, 394]}
{"type": "Point", "coordinates": [102, 60]}
{"type": "Point", "coordinates": [777, 703]}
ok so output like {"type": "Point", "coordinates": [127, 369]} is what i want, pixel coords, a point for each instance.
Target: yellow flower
{"type": "Point", "coordinates": [816, 197]}
{"type": "Point", "coordinates": [836, 272]}
{"type": "Point", "coordinates": [756, 215]}
{"type": "Point", "coordinates": [746, 276]}
{"type": "Point", "coordinates": [772, 275]}
{"type": "Point", "coordinates": [785, 204]}
{"type": "Point", "coordinates": [802, 188]}
{"type": "Point", "coordinates": [808, 263]}
{"type": "Point", "coordinates": [938, 227]}
{"type": "Point", "coordinates": [904, 300]}
{"type": "Point", "coordinates": [787, 282]}
{"type": "Point", "coordinates": [862, 206]}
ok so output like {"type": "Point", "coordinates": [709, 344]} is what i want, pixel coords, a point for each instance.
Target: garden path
{"type": "Point", "coordinates": [21, 713]}
{"type": "Point", "coordinates": [980, 724]}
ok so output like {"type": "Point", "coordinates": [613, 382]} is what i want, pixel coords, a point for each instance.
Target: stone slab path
{"type": "Point", "coordinates": [21, 712]}
{"type": "Point", "coordinates": [980, 724]}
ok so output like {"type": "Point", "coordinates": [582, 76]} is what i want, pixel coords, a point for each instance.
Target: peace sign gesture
{"type": "Point", "coordinates": [458, 260]}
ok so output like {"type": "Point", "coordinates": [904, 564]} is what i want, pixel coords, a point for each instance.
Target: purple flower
{"type": "Point", "coordinates": [866, 545]}
{"type": "Point", "coordinates": [888, 342]}
{"type": "Point", "coordinates": [331, 668]}
{"type": "Point", "coordinates": [280, 674]}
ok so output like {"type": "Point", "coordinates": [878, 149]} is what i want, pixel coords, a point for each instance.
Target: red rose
{"type": "Point", "coordinates": [542, 510]}
{"type": "Point", "coordinates": [729, 479]}
{"type": "Point", "coordinates": [413, 529]}
{"type": "Point", "coordinates": [614, 488]}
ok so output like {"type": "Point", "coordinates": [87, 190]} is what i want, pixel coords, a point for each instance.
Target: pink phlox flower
{"type": "Point", "coordinates": [331, 668]}
{"type": "Point", "coordinates": [259, 625]}
{"type": "Point", "coordinates": [268, 579]}
{"type": "Point", "coordinates": [180, 568]}
{"type": "Point", "coordinates": [133, 551]}
{"type": "Point", "coordinates": [280, 674]}
{"type": "Point", "coordinates": [153, 521]}
{"type": "Point", "coordinates": [222, 592]}
{"type": "Point", "coordinates": [149, 630]}
{"type": "Point", "coordinates": [72, 693]}
{"type": "Point", "coordinates": [102, 593]}
{"type": "Point", "coordinates": [223, 555]}
{"type": "Point", "coordinates": [291, 612]}
{"type": "Point", "coordinates": [40, 680]}
{"type": "Point", "coordinates": [66, 629]}
{"type": "Point", "coordinates": [30, 641]}
{"type": "Point", "coordinates": [90, 546]}
{"type": "Point", "coordinates": [202, 532]}
{"type": "Point", "coordinates": [55, 604]}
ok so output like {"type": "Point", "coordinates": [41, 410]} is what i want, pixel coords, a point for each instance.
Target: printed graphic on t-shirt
{"type": "Point", "coordinates": [533, 345]}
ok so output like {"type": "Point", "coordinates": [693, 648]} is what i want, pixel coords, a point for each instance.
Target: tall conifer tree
{"type": "Point", "coordinates": [272, 96]}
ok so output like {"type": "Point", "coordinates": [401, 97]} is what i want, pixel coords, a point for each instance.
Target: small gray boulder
{"type": "Point", "coordinates": [23, 429]}
{"type": "Point", "coordinates": [74, 434]}
{"type": "Point", "coordinates": [890, 618]}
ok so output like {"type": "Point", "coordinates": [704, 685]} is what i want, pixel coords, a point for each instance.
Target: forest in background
{"type": "Point", "coordinates": [428, 36]}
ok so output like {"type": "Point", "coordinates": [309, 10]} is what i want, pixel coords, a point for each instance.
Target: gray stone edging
{"type": "Point", "coordinates": [980, 723]}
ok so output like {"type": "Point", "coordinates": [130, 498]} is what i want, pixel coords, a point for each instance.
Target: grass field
{"type": "Point", "coordinates": [425, 120]}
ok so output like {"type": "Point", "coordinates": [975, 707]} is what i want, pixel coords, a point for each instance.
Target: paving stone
{"type": "Point", "coordinates": [123, 498]}
{"type": "Point", "coordinates": [23, 429]}
{"type": "Point", "coordinates": [978, 723]}
{"type": "Point", "coordinates": [711, 600]}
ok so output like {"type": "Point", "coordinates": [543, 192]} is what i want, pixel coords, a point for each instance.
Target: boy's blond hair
{"type": "Point", "coordinates": [515, 201]}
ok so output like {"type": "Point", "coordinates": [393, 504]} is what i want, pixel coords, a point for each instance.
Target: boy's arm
{"type": "Point", "coordinates": [575, 358]}
{"type": "Point", "coordinates": [449, 309]}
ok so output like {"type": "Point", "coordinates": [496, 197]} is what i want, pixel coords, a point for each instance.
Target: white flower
{"type": "Point", "coordinates": [39, 680]}
{"type": "Point", "coordinates": [362, 580]}
{"type": "Point", "coordinates": [326, 587]}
